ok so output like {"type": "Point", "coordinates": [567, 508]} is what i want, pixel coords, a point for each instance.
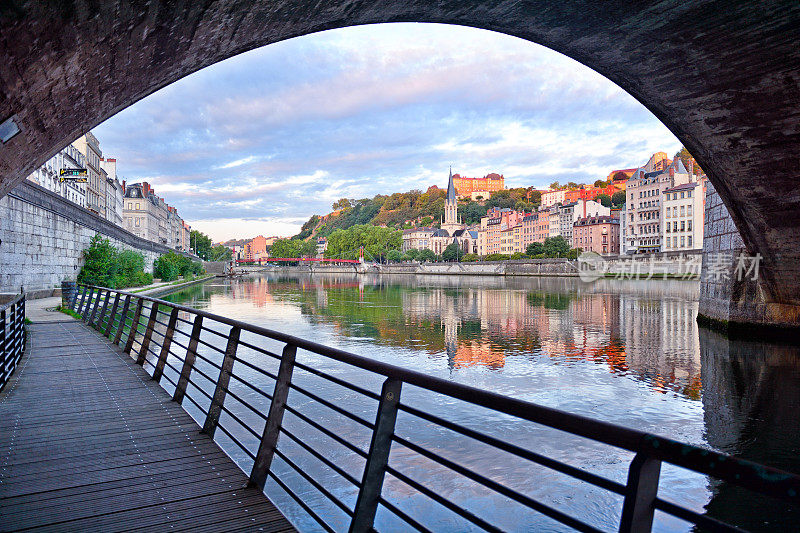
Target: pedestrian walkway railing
{"type": "Point", "coordinates": [12, 336]}
{"type": "Point", "coordinates": [162, 335]}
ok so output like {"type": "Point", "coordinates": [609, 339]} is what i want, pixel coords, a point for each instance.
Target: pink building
{"type": "Point", "coordinates": [597, 234]}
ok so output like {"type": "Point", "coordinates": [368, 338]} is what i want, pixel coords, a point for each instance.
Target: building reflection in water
{"type": "Point", "coordinates": [628, 327]}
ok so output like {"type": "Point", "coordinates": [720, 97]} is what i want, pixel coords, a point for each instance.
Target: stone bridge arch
{"type": "Point", "coordinates": [722, 75]}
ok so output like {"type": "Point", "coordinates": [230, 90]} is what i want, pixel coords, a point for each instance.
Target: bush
{"type": "Point", "coordinates": [518, 255]}
{"type": "Point", "coordinates": [469, 258]}
{"type": "Point", "coordinates": [106, 266]}
{"type": "Point", "coordinates": [496, 257]}
{"type": "Point", "coordinates": [171, 265]}
{"type": "Point", "coordinates": [427, 255]}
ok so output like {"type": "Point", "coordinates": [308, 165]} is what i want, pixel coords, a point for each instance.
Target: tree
{"type": "Point", "coordinates": [534, 248]}
{"type": "Point", "coordinates": [220, 252]}
{"type": "Point", "coordinates": [619, 176]}
{"type": "Point", "coordinates": [604, 199]}
{"type": "Point", "coordinates": [686, 158]}
{"type": "Point", "coordinates": [618, 198]}
{"type": "Point", "coordinates": [394, 256]}
{"type": "Point", "coordinates": [599, 183]}
{"type": "Point", "coordinates": [412, 254]}
{"type": "Point", "coordinates": [200, 243]}
{"type": "Point", "coordinates": [518, 255]}
{"type": "Point", "coordinates": [426, 255]}
{"type": "Point", "coordinates": [556, 246]}
{"type": "Point", "coordinates": [573, 185]}
{"type": "Point", "coordinates": [376, 241]}
{"type": "Point", "coordinates": [106, 266]}
{"type": "Point", "coordinates": [555, 185]}
{"type": "Point", "coordinates": [451, 253]}
{"type": "Point", "coordinates": [341, 203]}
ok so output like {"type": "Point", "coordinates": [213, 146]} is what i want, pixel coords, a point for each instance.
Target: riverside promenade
{"type": "Point", "coordinates": [89, 442]}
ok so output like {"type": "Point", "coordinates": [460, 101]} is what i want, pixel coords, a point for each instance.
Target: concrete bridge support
{"type": "Point", "coordinates": [733, 295]}
{"type": "Point", "coordinates": [723, 76]}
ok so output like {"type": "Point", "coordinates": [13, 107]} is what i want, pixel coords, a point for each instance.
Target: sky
{"type": "Point", "coordinates": [260, 142]}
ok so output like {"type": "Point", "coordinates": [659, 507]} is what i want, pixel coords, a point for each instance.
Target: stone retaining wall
{"type": "Point", "coordinates": [42, 238]}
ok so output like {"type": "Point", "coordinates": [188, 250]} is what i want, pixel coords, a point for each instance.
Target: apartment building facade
{"type": "Point", "coordinates": [89, 146]}
{"type": "Point", "coordinates": [48, 175]}
{"type": "Point", "coordinates": [599, 234]}
{"type": "Point", "coordinates": [683, 210]}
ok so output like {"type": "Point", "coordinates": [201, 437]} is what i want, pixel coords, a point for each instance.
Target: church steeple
{"type": "Point", "coordinates": [450, 205]}
{"type": "Point", "coordinates": [451, 189]}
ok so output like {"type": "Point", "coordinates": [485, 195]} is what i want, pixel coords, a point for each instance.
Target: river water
{"type": "Point", "coordinates": [627, 352]}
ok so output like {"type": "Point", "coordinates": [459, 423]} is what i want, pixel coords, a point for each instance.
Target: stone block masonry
{"type": "Point", "coordinates": [43, 236]}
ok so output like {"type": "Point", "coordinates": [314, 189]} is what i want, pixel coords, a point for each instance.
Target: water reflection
{"type": "Point", "coordinates": [624, 351]}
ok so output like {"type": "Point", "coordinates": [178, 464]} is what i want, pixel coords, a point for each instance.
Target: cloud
{"type": "Point", "coordinates": [279, 133]}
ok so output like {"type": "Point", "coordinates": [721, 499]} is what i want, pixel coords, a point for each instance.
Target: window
{"type": "Point", "coordinates": [682, 242]}
{"type": "Point", "coordinates": [689, 225]}
{"type": "Point", "coordinates": [682, 193]}
{"type": "Point", "coordinates": [137, 205]}
{"type": "Point", "coordinates": [683, 211]}
{"type": "Point", "coordinates": [689, 195]}
{"type": "Point", "coordinates": [689, 210]}
{"type": "Point", "coordinates": [689, 241]}
{"type": "Point", "coordinates": [137, 221]}
{"type": "Point", "coordinates": [683, 225]}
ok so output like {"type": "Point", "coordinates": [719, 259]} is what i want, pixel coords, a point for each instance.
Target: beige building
{"type": "Point", "coordinates": [643, 207]}
{"type": "Point", "coordinates": [417, 238]}
{"type": "Point", "coordinates": [553, 197]}
{"type": "Point", "coordinates": [114, 194]}
{"type": "Point", "coordinates": [49, 175]}
{"type": "Point", "coordinates": [682, 214]}
{"type": "Point", "coordinates": [89, 146]}
{"type": "Point", "coordinates": [148, 216]}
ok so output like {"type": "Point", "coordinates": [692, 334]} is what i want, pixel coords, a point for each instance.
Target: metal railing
{"type": "Point", "coordinates": [12, 336]}
{"type": "Point", "coordinates": [147, 329]}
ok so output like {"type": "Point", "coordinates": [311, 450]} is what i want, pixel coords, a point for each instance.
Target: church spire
{"type": "Point", "coordinates": [451, 189]}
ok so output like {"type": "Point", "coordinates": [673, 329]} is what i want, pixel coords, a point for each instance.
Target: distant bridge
{"type": "Point", "coordinates": [307, 259]}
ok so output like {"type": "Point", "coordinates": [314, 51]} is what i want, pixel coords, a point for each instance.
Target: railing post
{"type": "Point", "coordinates": [84, 312]}
{"type": "Point", "coordinates": [137, 315]}
{"type": "Point", "coordinates": [110, 321]}
{"type": "Point", "coordinates": [95, 307]}
{"type": "Point", "coordinates": [188, 362]}
{"type": "Point", "coordinates": [162, 357]}
{"type": "Point", "coordinates": [78, 300]}
{"type": "Point", "coordinates": [640, 494]}
{"type": "Point", "coordinates": [99, 324]}
{"type": "Point", "coordinates": [377, 459]}
{"type": "Point", "coordinates": [3, 344]}
{"type": "Point", "coordinates": [148, 334]}
{"type": "Point", "coordinates": [269, 440]}
{"type": "Point", "coordinates": [123, 317]}
{"type": "Point", "coordinates": [212, 419]}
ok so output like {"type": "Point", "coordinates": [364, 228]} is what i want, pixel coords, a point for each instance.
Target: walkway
{"type": "Point", "coordinates": [88, 442]}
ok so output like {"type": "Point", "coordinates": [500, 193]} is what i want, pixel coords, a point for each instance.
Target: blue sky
{"type": "Point", "coordinates": [258, 143]}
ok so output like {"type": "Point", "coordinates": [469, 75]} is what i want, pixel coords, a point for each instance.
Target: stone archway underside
{"type": "Point", "coordinates": [723, 76]}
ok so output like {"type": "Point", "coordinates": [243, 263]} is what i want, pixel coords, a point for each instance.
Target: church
{"type": "Point", "coordinates": [452, 230]}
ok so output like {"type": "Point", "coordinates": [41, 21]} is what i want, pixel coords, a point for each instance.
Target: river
{"type": "Point", "coordinates": [627, 352]}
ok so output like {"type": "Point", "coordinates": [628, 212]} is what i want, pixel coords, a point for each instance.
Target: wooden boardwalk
{"type": "Point", "coordinates": [89, 443]}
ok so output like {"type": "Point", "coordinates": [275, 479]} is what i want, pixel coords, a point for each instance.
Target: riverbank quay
{"type": "Point", "coordinates": [670, 265]}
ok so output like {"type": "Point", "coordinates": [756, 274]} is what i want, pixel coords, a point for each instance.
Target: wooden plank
{"type": "Point", "coordinates": [90, 442]}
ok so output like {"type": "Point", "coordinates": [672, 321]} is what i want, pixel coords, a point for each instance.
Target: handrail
{"type": "Point", "coordinates": [12, 336]}
{"type": "Point", "coordinates": [640, 491]}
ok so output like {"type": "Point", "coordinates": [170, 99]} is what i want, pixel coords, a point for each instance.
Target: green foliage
{"type": "Point", "coordinates": [308, 228]}
{"type": "Point", "coordinates": [599, 183]}
{"type": "Point", "coordinates": [555, 185]}
{"type": "Point", "coordinates": [619, 176]}
{"type": "Point", "coordinates": [472, 212]}
{"type": "Point", "coordinates": [573, 185]}
{"type": "Point", "coordinates": [686, 157]}
{"type": "Point", "coordinates": [220, 253]}
{"type": "Point", "coordinates": [342, 203]}
{"type": "Point", "coordinates": [618, 198]}
{"type": "Point", "coordinates": [469, 258]}
{"type": "Point", "coordinates": [377, 242]}
{"type": "Point", "coordinates": [201, 244]}
{"type": "Point", "coordinates": [573, 253]}
{"type": "Point", "coordinates": [535, 248]}
{"type": "Point", "coordinates": [394, 256]}
{"type": "Point", "coordinates": [106, 266]}
{"type": "Point", "coordinates": [171, 265]}
{"type": "Point", "coordinates": [411, 255]}
{"type": "Point", "coordinates": [556, 247]}
{"type": "Point", "coordinates": [496, 257]}
{"type": "Point", "coordinates": [518, 255]}
{"type": "Point", "coordinates": [451, 253]}
{"type": "Point", "coordinates": [603, 199]}
{"type": "Point", "coordinates": [292, 248]}
{"type": "Point", "coordinates": [426, 255]}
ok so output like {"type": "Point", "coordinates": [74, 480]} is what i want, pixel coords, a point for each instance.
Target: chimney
{"type": "Point", "coordinates": [691, 169]}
